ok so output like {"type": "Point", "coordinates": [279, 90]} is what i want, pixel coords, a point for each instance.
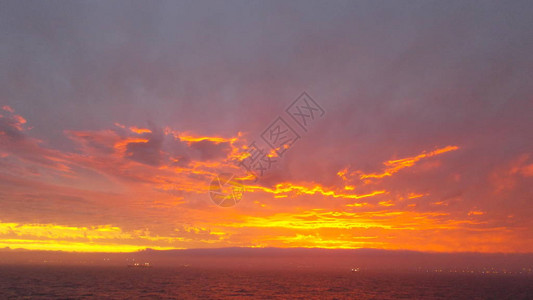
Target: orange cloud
{"type": "Point", "coordinates": [475, 213]}
{"type": "Point", "coordinates": [415, 195]}
{"type": "Point", "coordinates": [386, 203]}
{"type": "Point", "coordinates": [122, 144]}
{"type": "Point", "coordinates": [393, 166]}
{"type": "Point", "coordinates": [81, 239]}
{"type": "Point", "coordinates": [287, 187]}
{"type": "Point", "coordinates": [8, 108]}
{"type": "Point", "coordinates": [140, 130]}
{"type": "Point", "coordinates": [505, 178]}
{"type": "Point", "coordinates": [387, 229]}
{"type": "Point", "coordinates": [163, 196]}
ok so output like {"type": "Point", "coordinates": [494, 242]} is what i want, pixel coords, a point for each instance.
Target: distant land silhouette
{"type": "Point", "coordinates": [286, 258]}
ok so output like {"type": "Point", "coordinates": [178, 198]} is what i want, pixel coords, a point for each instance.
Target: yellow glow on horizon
{"type": "Point", "coordinates": [317, 241]}
{"type": "Point", "coordinates": [59, 231]}
{"type": "Point", "coordinates": [55, 245]}
{"type": "Point", "coordinates": [80, 239]}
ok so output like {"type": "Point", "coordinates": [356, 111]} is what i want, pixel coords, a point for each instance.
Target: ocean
{"type": "Point", "coordinates": [69, 282]}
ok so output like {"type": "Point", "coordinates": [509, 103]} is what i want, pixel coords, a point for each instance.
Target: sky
{"type": "Point", "coordinates": [116, 116]}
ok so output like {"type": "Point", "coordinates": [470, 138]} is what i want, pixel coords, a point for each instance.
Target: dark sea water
{"type": "Point", "coordinates": [55, 282]}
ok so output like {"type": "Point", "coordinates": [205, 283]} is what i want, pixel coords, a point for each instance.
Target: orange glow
{"type": "Point", "coordinates": [69, 238]}
{"type": "Point", "coordinates": [121, 145]}
{"type": "Point", "coordinates": [386, 203]}
{"type": "Point", "coordinates": [139, 130]}
{"type": "Point", "coordinates": [394, 166]}
{"type": "Point", "coordinates": [286, 213]}
{"type": "Point", "coordinates": [317, 189]}
{"type": "Point", "coordinates": [476, 213]}
{"type": "Point", "coordinates": [342, 173]}
{"type": "Point", "coordinates": [415, 195]}
{"type": "Point", "coordinates": [357, 204]}
{"type": "Point", "coordinates": [335, 124]}
{"type": "Point", "coordinates": [191, 138]}
{"type": "Point", "coordinates": [527, 170]}
{"type": "Point", "coordinates": [8, 108]}
{"type": "Point", "coordinates": [19, 119]}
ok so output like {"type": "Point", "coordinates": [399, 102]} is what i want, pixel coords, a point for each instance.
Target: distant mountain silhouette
{"type": "Point", "coordinates": [286, 258]}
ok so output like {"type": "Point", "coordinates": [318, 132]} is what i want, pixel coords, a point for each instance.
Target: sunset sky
{"type": "Point", "coordinates": [115, 117]}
